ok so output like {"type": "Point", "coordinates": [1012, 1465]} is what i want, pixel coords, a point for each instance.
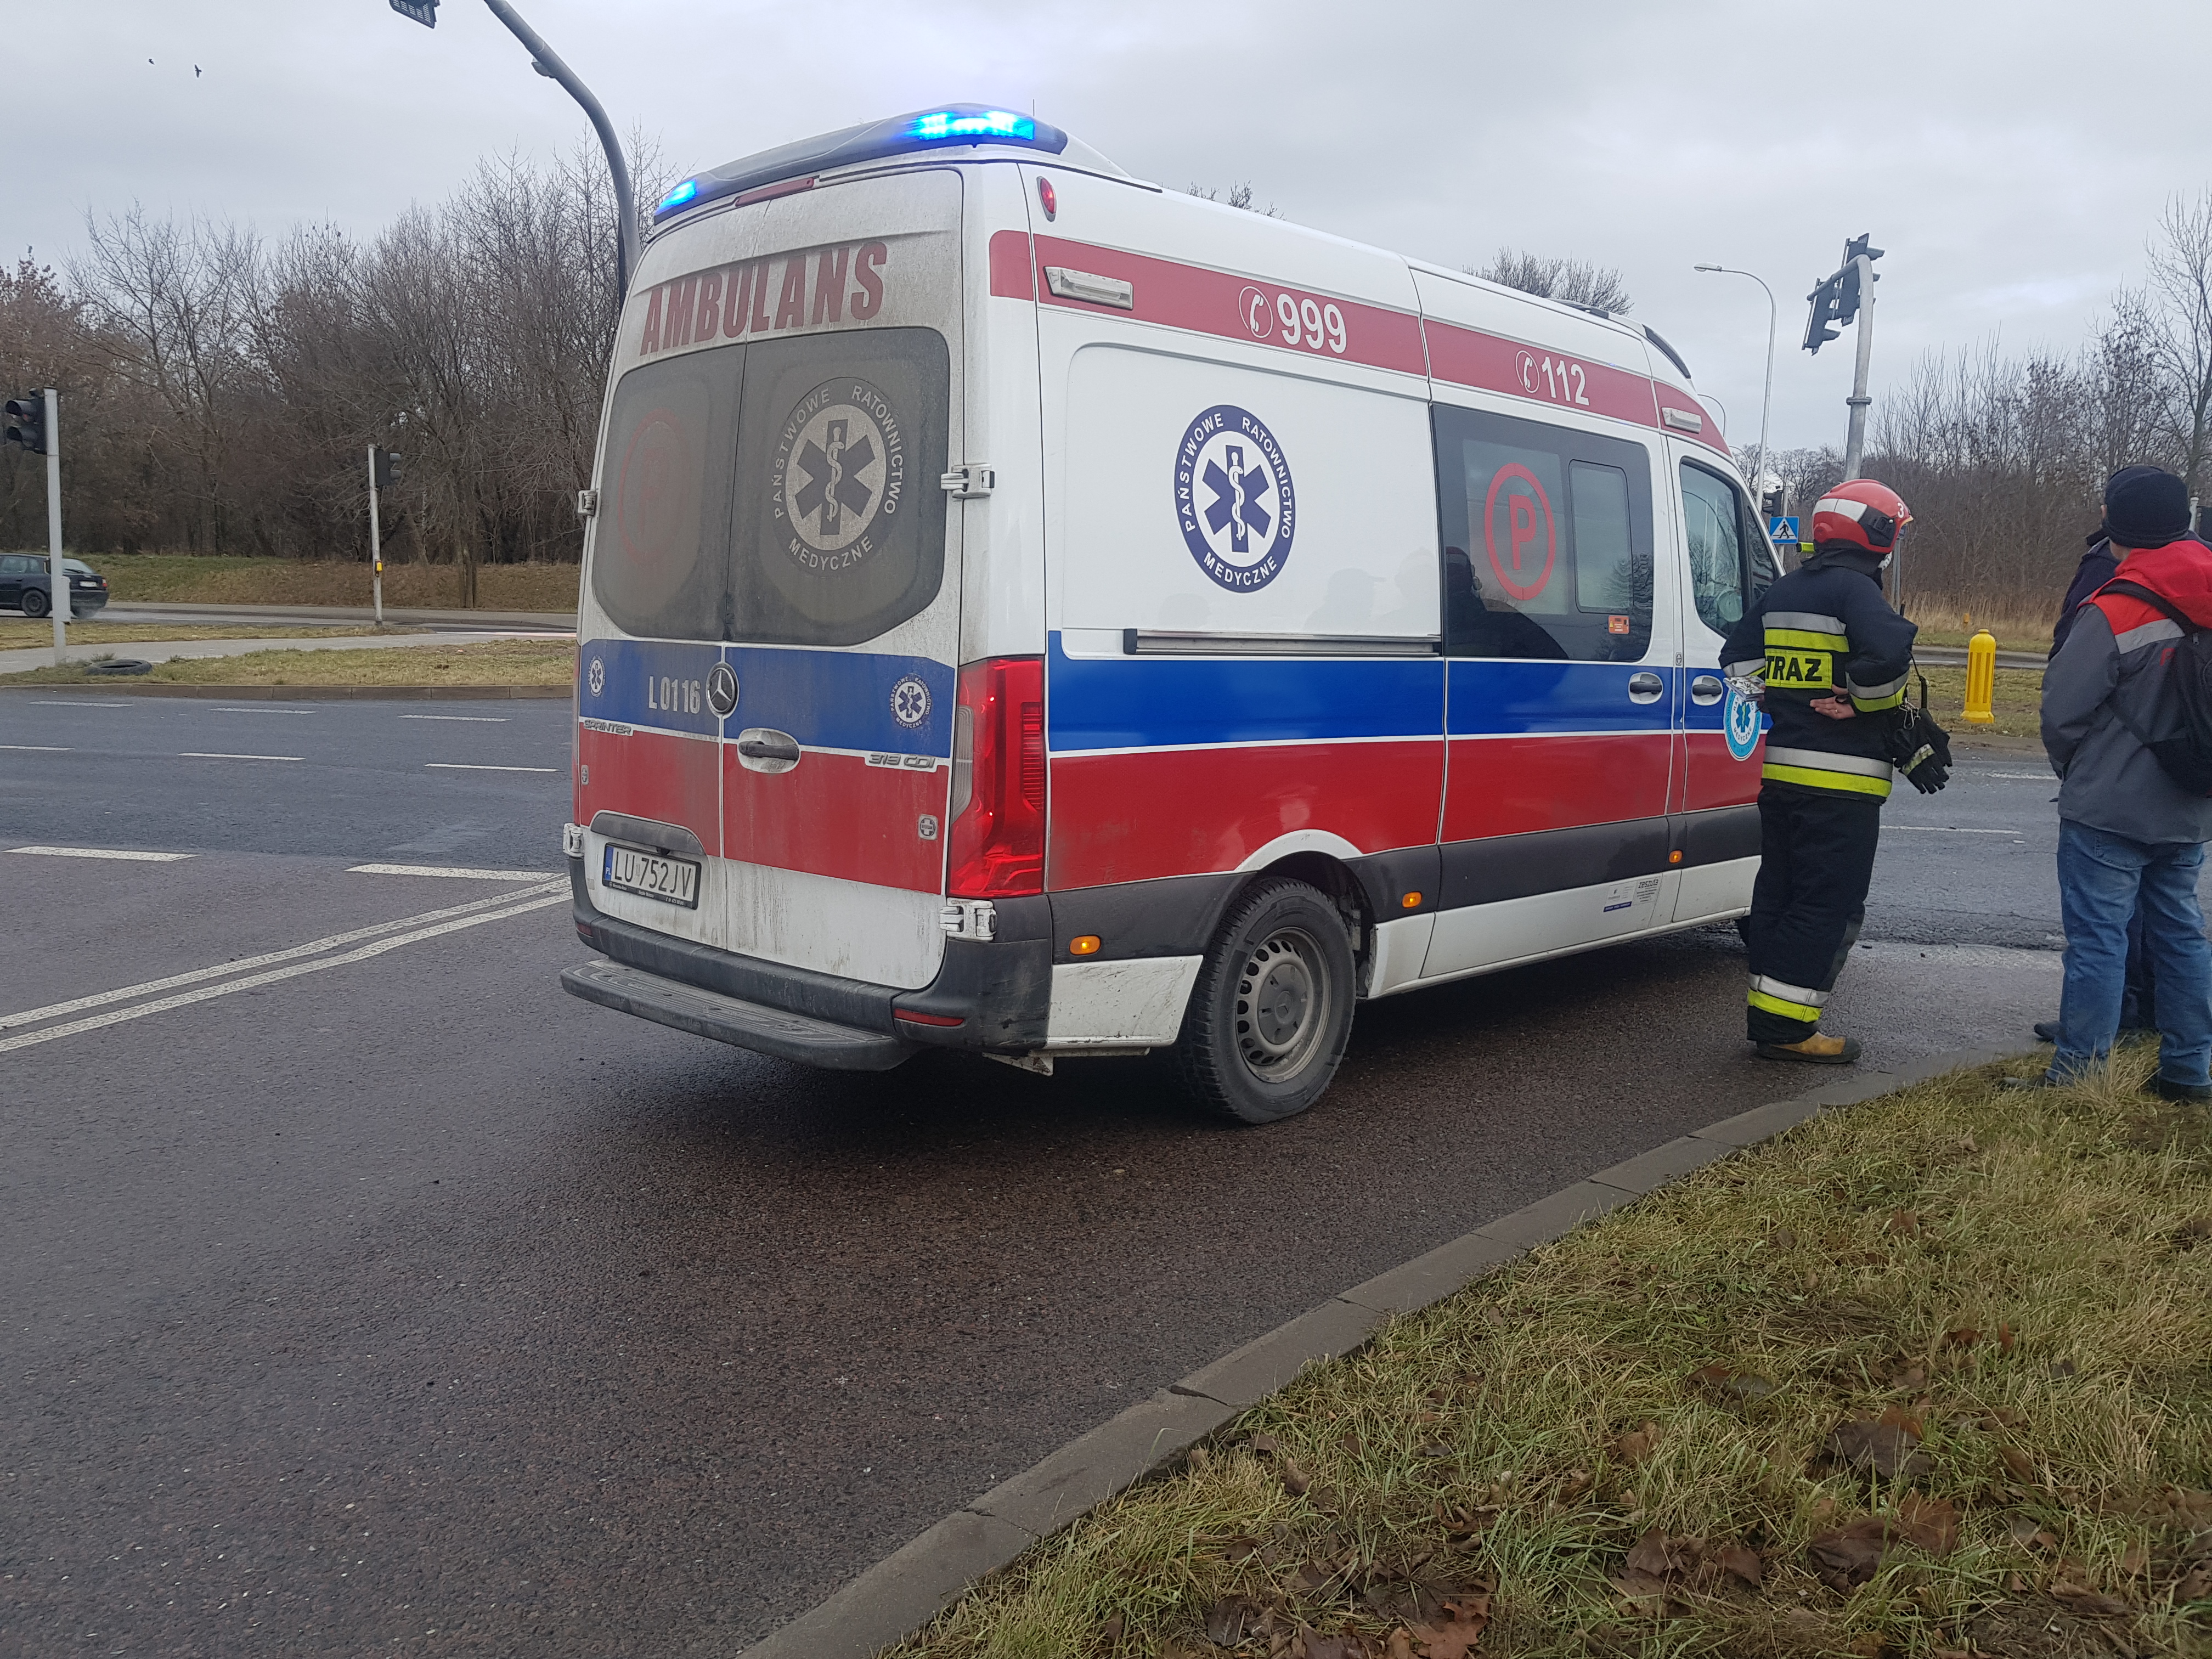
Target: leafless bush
{"type": "Point", "coordinates": [1575, 282]}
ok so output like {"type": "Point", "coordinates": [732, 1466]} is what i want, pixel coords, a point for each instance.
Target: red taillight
{"type": "Point", "coordinates": [998, 828]}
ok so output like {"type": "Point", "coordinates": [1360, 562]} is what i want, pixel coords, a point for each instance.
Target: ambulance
{"type": "Point", "coordinates": [1029, 612]}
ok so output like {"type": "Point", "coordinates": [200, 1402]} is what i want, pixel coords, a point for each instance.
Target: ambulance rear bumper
{"type": "Point", "coordinates": [994, 997]}
{"type": "Point", "coordinates": [726, 1019]}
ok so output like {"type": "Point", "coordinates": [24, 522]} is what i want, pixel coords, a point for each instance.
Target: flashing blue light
{"type": "Point", "coordinates": [677, 196]}
{"type": "Point", "coordinates": [975, 126]}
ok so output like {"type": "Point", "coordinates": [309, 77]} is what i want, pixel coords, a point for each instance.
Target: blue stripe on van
{"type": "Point", "coordinates": [1150, 703]}
{"type": "Point", "coordinates": [825, 699]}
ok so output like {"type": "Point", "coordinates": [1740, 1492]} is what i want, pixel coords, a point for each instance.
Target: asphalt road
{"type": "Point", "coordinates": [383, 1297]}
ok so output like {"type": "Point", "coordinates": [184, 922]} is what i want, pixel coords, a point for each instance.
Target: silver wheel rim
{"type": "Point", "coordinates": [1284, 1003]}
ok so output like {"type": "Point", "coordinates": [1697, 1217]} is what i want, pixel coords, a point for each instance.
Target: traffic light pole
{"type": "Point", "coordinates": [58, 583]}
{"type": "Point", "coordinates": [375, 539]}
{"type": "Point", "coordinates": [1855, 439]}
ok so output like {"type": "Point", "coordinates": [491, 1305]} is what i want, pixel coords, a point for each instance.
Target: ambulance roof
{"type": "Point", "coordinates": [968, 127]}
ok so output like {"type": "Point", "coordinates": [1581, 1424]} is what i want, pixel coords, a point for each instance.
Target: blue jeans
{"type": "Point", "coordinates": [2103, 879]}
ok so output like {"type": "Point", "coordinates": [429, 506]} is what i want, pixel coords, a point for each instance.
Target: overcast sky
{"type": "Point", "coordinates": [2011, 157]}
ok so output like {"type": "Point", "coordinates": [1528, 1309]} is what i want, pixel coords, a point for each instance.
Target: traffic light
{"type": "Point", "coordinates": [424, 12]}
{"type": "Point", "coordinates": [26, 423]}
{"type": "Point", "coordinates": [1827, 300]}
{"type": "Point", "coordinates": [386, 468]}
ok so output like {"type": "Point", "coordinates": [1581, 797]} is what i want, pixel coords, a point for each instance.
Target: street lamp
{"type": "Point", "coordinates": [547, 64]}
{"type": "Point", "coordinates": [1767, 408]}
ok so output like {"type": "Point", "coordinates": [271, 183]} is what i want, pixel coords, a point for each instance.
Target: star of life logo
{"type": "Point", "coordinates": [910, 701]}
{"type": "Point", "coordinates": [1233, 499]}
{"type": "Point", "coordinates": [599, 677]}
{"type": "Point", "coordinates": [1740, 724]}
{"type": "Point", "coordinates": [839, 468]}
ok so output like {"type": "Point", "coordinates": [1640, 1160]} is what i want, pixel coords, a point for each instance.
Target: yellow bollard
{"type": "Point", "coordinates": [1981, 677]}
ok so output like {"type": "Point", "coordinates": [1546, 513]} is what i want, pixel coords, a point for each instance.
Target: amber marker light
{"type": "Point", "coordinates": [1083, 944]}
{"type": "Point", "coordinates": [1411, 902]}
{"type": "Point", "coordinates": [1673, 858]}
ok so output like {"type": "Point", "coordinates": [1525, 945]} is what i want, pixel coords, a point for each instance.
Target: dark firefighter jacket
{"type": "Point", "coordinates": [1824, 630]}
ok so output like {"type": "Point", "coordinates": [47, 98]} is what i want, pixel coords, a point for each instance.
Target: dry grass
{"type": "Point", "coordinates": [17, 632]}
{"type": "Point", "coordinates": [2018, 627]}
{"type": "Point", "coordinates": [497, 662]}
{"type": "Point", "coordinates": [187, 579]}
{"type": "Point", "coordinates": [2024, 1282]}
{"type": "Point", "coordinates": [2016, 700]}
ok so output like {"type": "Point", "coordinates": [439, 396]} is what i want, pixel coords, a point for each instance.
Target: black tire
{"type": "Point", "coordinates": [34, 604]}
{"type": "Point", "coordinates": [1272, 1009]}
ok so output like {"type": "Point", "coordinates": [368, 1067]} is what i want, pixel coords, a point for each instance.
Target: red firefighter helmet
{"type": "Point", "coordinates": [1860, 514]}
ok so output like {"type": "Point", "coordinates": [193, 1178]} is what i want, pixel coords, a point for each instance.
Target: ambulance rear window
{"type": "Point", "coordinates": [779, 493]}
{"type": "Point", "coordinates": [1547, 540]}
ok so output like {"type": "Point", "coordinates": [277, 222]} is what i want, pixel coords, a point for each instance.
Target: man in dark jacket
{"type": "Point", "coordinates": [2128, 835]}
{"type": "Point", "coordinates": [1834, 659]}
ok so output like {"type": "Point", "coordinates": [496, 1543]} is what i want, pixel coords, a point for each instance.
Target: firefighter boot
{"type": "Point", "coordinates": [1817, 1049]}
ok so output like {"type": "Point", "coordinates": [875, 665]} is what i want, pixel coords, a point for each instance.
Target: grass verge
{"type": "Point", "coordinates": [2016, 700]}
{"type": "Point", "coordinates": [1932, 1376]}
{"type": "Point", "coordinates": [16, 633]}
{"type": "Point", "coordinates": [494, 662]}
{"type": "Point", "coordinates": [192, 579]}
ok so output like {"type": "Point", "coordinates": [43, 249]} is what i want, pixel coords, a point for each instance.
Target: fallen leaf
{"type": "Point", "coordinates": [1636, 1444]}
{"type": "Point", "coordinates": [1658, 1555]}
{"type": "Point", "coordinates": [1455, 1638]}
{"type": "Point", "coordinates": [1964, 1337]}
{"type": "Point", "coordinates": [1846, 1558]}
{"type": "Point", "coordinates": [1295, 1480]}
{"type": "Point", "coordinates": [1782, 1239]}
{"type": "Point", "coordinates": [1115, 1628]}
{"type": "Point", "coordinates": [1740, 1562]}
{"type": "Point", "coordinates": [2087, 1603]}
{"type": "Point", "coordinates": [2062, 1368]}
{"type": "Point", "coordinates": [2005, 1338]}
{"type": "Point", "coordinates": [2190, 1234]}
{"type": "Point", "coordinates": [1576, 1483]}
{"type": "Point", "coordinates": [1904, 1222]}
{"type": "Point", "coordinates": [1885, 1444]}
{"type": "Point", "coordinates": [1928, 1524]}
{"type": "Point", "coordinates": [1199, 1457]}
{"type": "Point", "coordinates": [1726, 1379]}
{"type": "Point", "coordinates": [1227, 1620]}
{"type": "Point", "coordinates": [1332, 1647]}
{"type": "Point", "coordinates": [1263, 1446]}
{"type": "Point", "coordinates": [2135, 1562]}
{"type": "Point", "coordinates": [2196, 1587]}
{"type": "Point", "coordinates": [2018, 1462]}
{"type": "Point", "coordinates": [1401, 1644]}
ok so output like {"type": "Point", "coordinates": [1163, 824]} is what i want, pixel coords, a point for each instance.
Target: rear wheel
{"type": "Point", "coordinates": [1272, 1009]}
{"type": "Point", "coordinates": [34, 603]}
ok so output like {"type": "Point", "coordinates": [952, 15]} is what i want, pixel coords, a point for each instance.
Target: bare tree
{"type": "Point", "coordinates": [2179, 288]}
{"type": "Point", "coordinates": [1240, 196]}
{"type": "Point", "coordinates": [1573, 282]}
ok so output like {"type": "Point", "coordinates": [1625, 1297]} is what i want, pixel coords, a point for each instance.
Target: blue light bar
{"type": "Point", "coordinates": [949, 125]}
{"type": "Point", "coordinates": [972, 124]}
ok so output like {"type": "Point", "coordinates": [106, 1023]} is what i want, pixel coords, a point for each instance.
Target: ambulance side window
{"type": "Point", "coordinates": [1546, 535]}
{"type": "Point", "coordinates": [1714, 519]}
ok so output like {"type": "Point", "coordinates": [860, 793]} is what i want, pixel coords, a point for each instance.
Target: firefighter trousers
{"type": "Point", "coordinates": [1816, 861]}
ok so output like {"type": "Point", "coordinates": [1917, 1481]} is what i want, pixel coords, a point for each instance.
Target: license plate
{"type": "Point", "coordinates": [672, 881]}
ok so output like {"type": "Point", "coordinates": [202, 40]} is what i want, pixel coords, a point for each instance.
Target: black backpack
{"type": "Point", "coordinates": [2186, 756]}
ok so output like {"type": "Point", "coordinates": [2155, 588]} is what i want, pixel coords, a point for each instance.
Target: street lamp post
{"type": "Point", "coordinates": [547, 62]}
{"type": "Point", "coordinates": [1766, 404]}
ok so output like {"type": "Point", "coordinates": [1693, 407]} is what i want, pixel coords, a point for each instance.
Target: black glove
{"type": "Point", "coordinates": [1919, 748]}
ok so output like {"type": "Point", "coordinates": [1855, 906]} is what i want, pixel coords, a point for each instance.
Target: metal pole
{"type": "Point", "coordinates": [1766, 401]}
{"type": "Point", "coordinates": [1855, 443]}
{"type": "Point", "coordinates": [58, 583]}
{"type": "Point", "coordinates": [375, 538]}
{"type": "Point", "coordinates": [550, 65]}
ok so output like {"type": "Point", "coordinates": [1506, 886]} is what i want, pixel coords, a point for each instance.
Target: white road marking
{"type": "Point", "coordinates": [2031, 777]}
{"type": "Point", "coordinates": [184, 998]}
{"type": "Point", "coordinates": [443, 870]}
{"type": "Point", "coordinates": [463, 766]}
{"type": "Point", "coordinates": [74, 702]}
{"type": "Point", "coordinates": [191, 754]}
{"type": "Point", "coordinates": [1951, 829]}
{"type": "Point", "coordinates": [264, 711]}
{"type": "Point", "coordinates": [314, 947]}
{"type": "Point", "coordinates": [36, 748]}
{"type": "Point", "coordinates": [478, 720]}
{"type": "Point", "coordinates": [103, 853]}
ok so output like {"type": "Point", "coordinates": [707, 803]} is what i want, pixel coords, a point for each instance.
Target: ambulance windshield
{"type": "Point", "coordinates": [777, 492]}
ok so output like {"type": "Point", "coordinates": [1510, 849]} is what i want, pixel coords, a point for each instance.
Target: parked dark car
{"type": "Point", "coordinates": [27, 586]}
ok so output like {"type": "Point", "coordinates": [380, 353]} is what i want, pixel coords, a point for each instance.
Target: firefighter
{"type": "Point", "coordinates": [1833, 658]}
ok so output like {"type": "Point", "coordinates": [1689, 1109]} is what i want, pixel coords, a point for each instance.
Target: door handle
{"type": "Point", "coordinates": [1645, 687]}
{"type": "Point", "coordinates": [760, 749]}
{"type": "Point", "coordinates": [1705, 689]}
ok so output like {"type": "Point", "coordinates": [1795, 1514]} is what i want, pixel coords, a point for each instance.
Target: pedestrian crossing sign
{"type": "Point", "coordinates": [1782, 531]}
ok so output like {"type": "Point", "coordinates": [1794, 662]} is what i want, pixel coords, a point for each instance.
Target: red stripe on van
{"type": "Point", "coordinates": [1012, 275]}
{"type": "Point", "coordinates": [651, 774]}
{"type": "Point", "coordinates": [1714, 777]}
{"type": "Point", "coordinates": [1510, 785]}
{"type": "Point", "coordinates": [835, 815]}
{"type": "Point", "coordinates": [1192, 812]}
{"type": "Point", "coordinates": [1235, 307]}
{"type": "Point", "coordinates": [1468, 357]}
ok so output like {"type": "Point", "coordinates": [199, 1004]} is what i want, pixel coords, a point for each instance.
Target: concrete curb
{"type": "Point", "coordinates": [914, 1584]}
{"type": "Point", "coordinates": [301, 693]}
{"type": "Point", "coordinates": [397, 616]}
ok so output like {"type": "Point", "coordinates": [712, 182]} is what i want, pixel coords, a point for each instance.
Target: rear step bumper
{"type": "Point", "coordinates": [726, 1019]}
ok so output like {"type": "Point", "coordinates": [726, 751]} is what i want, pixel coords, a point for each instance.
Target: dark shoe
{"type": "Point", "coordinates": [2047, 1031]}
{"type": "Point", "coordinates": [1815, 1050]}
{"type": "Point", "coordinates": [2195, 1094]}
